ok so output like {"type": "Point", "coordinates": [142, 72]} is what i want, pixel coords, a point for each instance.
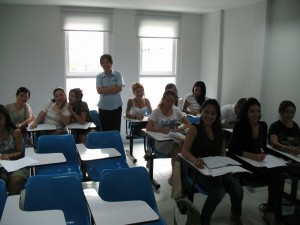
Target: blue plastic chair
{"type": "Point", "coordinates": [64, 192]}
{"type": "Point", "coordinates": [105, 139]}
{"type": "Point", "coordinates": [96, 119]}
{"type": "Point", "coordinates": [190, 182]}
{"type": "Point", "coordinates": [126, 185]}
{"type": "Point", "coordinates": [193, 119]}
{"type": "Point", "coordinates": [3, 196]}
{"type": "Point", "coordinates": [59, 144]}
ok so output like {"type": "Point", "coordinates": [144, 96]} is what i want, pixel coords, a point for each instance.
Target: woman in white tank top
{"type": "Point", "coordinates": [138, 106]}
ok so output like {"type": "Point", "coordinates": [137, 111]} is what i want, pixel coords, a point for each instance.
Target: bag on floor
{"type": "Point", "coordinates": [186, 213]}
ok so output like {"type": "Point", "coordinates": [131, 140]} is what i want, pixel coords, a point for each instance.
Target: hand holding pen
{"type": "Point", "coordinates": [261, 156]}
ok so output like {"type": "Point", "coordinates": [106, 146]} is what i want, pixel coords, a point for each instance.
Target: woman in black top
{"type": "Point", "coordinates": [249, 139]}
{"type": "Point", "coordinates": [207, 139]}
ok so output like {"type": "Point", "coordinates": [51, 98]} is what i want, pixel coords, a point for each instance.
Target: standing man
{"type": "Point", "coordinates": [109, 85]}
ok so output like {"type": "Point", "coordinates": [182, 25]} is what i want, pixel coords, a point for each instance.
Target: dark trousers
{"type": "Point", "coordinates": [274, 179]}
{"type": "Point", "coordinates": [110, 119]}
{"type": "Point", "coordinates": [217, 187]}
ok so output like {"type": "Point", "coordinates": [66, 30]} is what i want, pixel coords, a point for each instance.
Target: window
{"type": "Point", "coordinates": [158, 39]}
{"type": "Point", "coordinates": [86, 39]}
{"type": "Point", "coordinates": [83, 51]}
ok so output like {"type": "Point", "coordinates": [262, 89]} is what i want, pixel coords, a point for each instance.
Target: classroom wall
{"type": "Point", "coordinates": [247, 51]}
{"type": "Point", "coordinates": [32, 52]}
{"type": "Point", "coordinates": [282, 68]}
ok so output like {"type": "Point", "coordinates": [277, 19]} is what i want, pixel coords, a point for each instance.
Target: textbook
{"type": "Point", "coordinates": [213, 162]}
{"type": "Point", "coordinates": [223, 166]}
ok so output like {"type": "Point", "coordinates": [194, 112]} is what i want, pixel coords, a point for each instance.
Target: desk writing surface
{"type": "Point", "coordinates": [288, 155]}
{"type": "Point", "coordinates": [157, 136]}
{"type": "Point", "coordinates": [13, 165]}
{"type": "Point", "coordinates": [87, 154]}
{"type": "Point", "coordinates": [45, 158]}
{"type": "Point", "coordinates": [270, 161]}
{"type": "Point", "coordinates": [13, 215]}
{"type": "Point", "coordinates": [118, 213]}
{"type": "Point", "coordinates": [216, 171]}
{"type": "Point", "coordinates": [78, 126]}
{"type": "Point", "coordinates": [42, 127]}
{"type": "Point", "coordinates": [145, 119]}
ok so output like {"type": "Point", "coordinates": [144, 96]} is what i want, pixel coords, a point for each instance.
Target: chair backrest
{"type": "Point", "coordinates": [106, 139]}
{"type": "Point", "coordinates": [127, 184]}
{"type": "Point", "coordinates": [46, 192]}
{"type": "Point", "coordinates": [3, 196]}
{"type": "Point", "coordinates": [64, 143]}
{"type": "Point", "coordinates": [193, 119]}
{"type": "Point", "coordinates": [96, 119]}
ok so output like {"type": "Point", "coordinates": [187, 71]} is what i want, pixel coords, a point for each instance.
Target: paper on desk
{"type": "Point", "coordinates": [84, 126]}
{"type": "Point", "coordinates": [14, 165]}
{"type": "Point", "coordinates": [223, 170]}
{"type": "Point", "coordinates": [291, 156]}
{"type": "Point", "coordinates": [41, 127]}
{"type": "Point", "coordinates": [270, 162]}
{"type": "Point", "coordinates": [219, 161]}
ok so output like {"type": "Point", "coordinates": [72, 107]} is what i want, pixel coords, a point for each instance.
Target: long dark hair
{"type": "Point", "coordinates": [243, 115]}
{"type": "Point", "coordinates": [9, 125]}
{"type": "Point", "coordinates": [200, 100]}
{"type": "Point", "coordinates": [216, 126]}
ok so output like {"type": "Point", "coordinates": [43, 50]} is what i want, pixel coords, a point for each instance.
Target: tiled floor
{"type": "Point", "coordinates": [162, 170]}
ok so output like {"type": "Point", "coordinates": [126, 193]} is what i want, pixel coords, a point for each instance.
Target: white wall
{"type": "Point", "coordinates": [32, 52]}
{"type": "Point", "coordinates": [210, 52]}
{"type": "Point", "coordinates": [243, 51]}
{"type": "Point", "coordinates": [282, 63]}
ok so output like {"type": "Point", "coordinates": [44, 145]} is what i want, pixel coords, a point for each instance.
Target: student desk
{"type": "Point", "coordinates": [13, 215]}
{"type": "Point", "coordinates": [78, 126]}
{"type": "Point", "coordinates": [131, 136]}
{"type": "Point", "coordinates": [39, 127]}
{"type": "Point", "coordinates": [44, 159]}
{"type": "Point", "coordinates": [294, 185]}
{"type": "Point", "coordinates": [94, 154]}
{"type": "Point", "coordinates": [156, 137]}
{"type": "Point", "coordinates": [118, 213]}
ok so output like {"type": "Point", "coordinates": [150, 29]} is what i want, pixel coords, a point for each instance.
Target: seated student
{"type": "Point", "coordinates": [163, 120]}
{"type": "Point", "coordinates": [55, 112]}
{"type": "Point", "coordinates": [230, 112]}
{"type": "Point", "coordinates": [193, 101]}
{"type": "Point", "coordinates": [284, 134]}
{"type": "Point", "coordinates": [207, 139]}
{"type": "Point", "coordinates": [249, 139]}
{"type": "Point", "coordinates": [137, 107]}
{"type": "Point", "coordinates": [179, 101]}
{"type": "Point", "coordinates": [80, 113]}
{"type": "Point", "coordinates": [21, 113]}
{"type": "Point", "coordinates": [11, 145]}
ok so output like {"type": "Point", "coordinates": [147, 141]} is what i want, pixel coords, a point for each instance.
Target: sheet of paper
{"type": "Point", "coordinates": [41, 127]}
{"type": "Point", "coordinates": [269, 162]}
{"type": "Point", "coordinates": [219, 161]}
{"type": "Point", "coordinates": [291, 156]}
{"type": "Point", "coordinates": [13, 165]}
{"type": "Point", "coordinates": [79, 126]}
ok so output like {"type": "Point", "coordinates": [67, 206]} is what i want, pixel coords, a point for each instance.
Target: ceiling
{"type": "Point", "coordinates": [188, 6]}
